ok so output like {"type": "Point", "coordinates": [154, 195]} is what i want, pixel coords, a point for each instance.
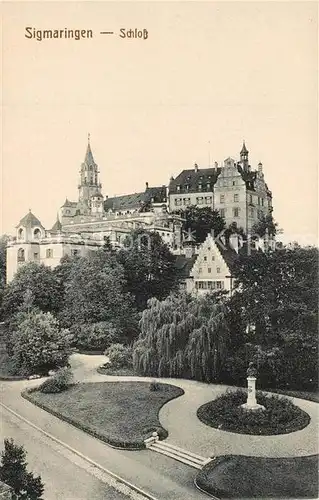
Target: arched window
{"type": "Point", "coordinates": [20, 234]}
{"type": "Point", "coordinates": [37, 234]}
{"type": "Point", "coordinates": [21, 255]}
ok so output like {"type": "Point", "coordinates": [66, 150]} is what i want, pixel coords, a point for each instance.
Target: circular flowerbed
{"type": "Point", "coordinates": [280, 416]}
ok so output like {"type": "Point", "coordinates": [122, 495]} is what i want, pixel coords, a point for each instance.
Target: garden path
{"type": "Point", "coordinates": [188, 432]}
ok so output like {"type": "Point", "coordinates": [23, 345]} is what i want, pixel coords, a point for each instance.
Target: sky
{"type": "Point", "coordinates": [209, 75]}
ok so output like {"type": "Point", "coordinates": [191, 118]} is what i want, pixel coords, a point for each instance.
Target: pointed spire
{"type": "Point", "coordinates": [244, 150]}
{"type": "Point", "coordinates": [89, 160]}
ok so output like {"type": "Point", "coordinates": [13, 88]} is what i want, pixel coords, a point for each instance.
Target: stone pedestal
{"type": "Point", "coordinates": [251, 403]}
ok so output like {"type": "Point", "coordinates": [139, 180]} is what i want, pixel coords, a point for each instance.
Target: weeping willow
{"type": "Point", "coordinates": [182, 336]}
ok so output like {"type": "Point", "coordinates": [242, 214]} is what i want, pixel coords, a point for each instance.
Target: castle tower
{"type": "Point", "coordinates": [244, 156]}
{"type": "Point", "coordinates": [89, 180]}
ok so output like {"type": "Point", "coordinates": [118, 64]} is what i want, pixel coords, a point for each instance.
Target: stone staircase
{"type": "Point", "coordinates": [176, 453]}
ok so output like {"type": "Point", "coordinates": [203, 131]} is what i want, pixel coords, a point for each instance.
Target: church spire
{"type": "Point", "coordinates": [89, 160]}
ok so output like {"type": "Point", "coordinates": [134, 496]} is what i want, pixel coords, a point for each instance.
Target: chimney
{"type": "Point", "coordinates": [146, 185]}
{"type": "Point", "coordinates": [260, 167]}
{"type": "Point", "coordinates": [216, 164]}
{"type": "Point", "coordinates": [196, 167]}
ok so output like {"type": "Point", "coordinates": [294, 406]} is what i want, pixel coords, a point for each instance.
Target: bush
{"type": "Point", "coordinates": [155, 386]}
{"type": "Point", "coordinates": [120, 356]}
{"type": "Point", "coordinates": [39, 345]}
{"type": "Point", "coordinates": [59, 382]}
{"type": "Point", "coordinates": [280, 416]}
{"type": "Point", "coordinates": [96, 336]}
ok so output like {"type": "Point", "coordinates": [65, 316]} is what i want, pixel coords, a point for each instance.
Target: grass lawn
{"type": "Point", "coordinates": [254, 477]}
{"type": "Point", "coordinates": [121, 413]}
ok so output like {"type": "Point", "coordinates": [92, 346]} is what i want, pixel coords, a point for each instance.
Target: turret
{"type": "Point", "coordinates": [244, 156]}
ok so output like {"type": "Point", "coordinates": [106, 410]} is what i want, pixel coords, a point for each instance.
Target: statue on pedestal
{"type": "Point", "coordinates": [251, 403]}
{"type": "Point", "coordinates": [252, 370]}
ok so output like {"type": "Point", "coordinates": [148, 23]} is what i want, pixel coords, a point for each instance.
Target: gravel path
{"type": "Point", "coordinates": [188, 432]}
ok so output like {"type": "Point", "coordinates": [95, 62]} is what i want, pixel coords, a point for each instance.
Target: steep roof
{"type": "Point", "coordinates": [68, 203]}
{"type": "Point", "coordinates": [192, 178]}
{"type": "Point", "coordinates": [184, 265]}
{"type": "Point", "coordinates": [136, 200]}
{"type": "Point", "coordinates": [57, 226]}
{"type": "Point", "coordinates": [29, 220]}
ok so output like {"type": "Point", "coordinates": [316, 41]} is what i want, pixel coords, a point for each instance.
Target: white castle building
{"type": "Point", "coordinates": [238, 192]}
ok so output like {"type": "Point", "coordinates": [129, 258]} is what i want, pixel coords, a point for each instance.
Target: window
{"type": "Point", "coordinates": [218, 270]}
{"type": "Point", "coordinates": [49, 253]}
{"type": "Point", "coordinates": [234, 183]}
{"type": "Point", "coordinates": [199, 187]}
{"type": "Point", "coordinates": [209, 270]}
{"type": "Point", "coordinates": [20, 234]}
{"type": "Point", "coordinates": [199, 200]}
{"type": "Point", "coordinates": [178, 201]}
{"type": "Point", "coordinates": [258, 200]}
{"type": "Point", "coordinates": [251, 212]}
{"type": "Point", "coordinates": [225, 183]}
{"type": "Point", "coordinates": [36, 256]}
{"type": "Point", "coordinates": [186, 187]}
{"type": "Point", "coordinates": [219, 285]}
{"type": "Point", "coordinates": [37, 234]}
{"type": "Point", "coordinates": [213, 258]}
{"type": "Point", "coordinates": [208, 186]}
{"type": "Point", "coordinates": [205, 258]}
{"type": "Point", "coordinates": [262, 202]}
{"type": "Point", "coordinates": [222, 198]}
{"type": "Point", "coordinates": [186, 201]}
{"type": "Point", "coordinates": [222, 212]}
{"type": "Point", "coordinates": [21, 255]}
{"type": "Point", "coordinates": [236, 197]}
{"type": "Point", "coordinates": [250, 198]}
{"type": "Point", "coordinates": [208, 200]}
{"type": "Point", "coordinates": [178, 188]}
{"type": "Point", "coordinates": [74, 252]}
{"type": "Point", "coordinates": [236, 212]}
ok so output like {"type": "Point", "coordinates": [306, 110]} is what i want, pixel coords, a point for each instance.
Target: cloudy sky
{"type": "Point", "coordinates": [209, 71]}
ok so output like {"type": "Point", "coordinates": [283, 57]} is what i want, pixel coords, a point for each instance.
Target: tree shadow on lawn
{"type": "Point", "coordinates": [122, 414]}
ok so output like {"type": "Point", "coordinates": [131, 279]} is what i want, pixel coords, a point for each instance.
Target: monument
{"type": "Point", "coordinates": [251, 403]}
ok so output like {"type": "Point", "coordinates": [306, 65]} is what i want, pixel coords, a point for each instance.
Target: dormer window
{"type": "Point", "coordinates": [187, 187]}
{"type": "Point", "coordinates": [178, 188]}
{"type": "Point", "coordinates": [208, 185]}
{"type": "Point", "coordinates": [199, 187]}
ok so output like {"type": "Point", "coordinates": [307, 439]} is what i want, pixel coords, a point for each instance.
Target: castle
{"type": "Point", "coordinates": [238, 192]}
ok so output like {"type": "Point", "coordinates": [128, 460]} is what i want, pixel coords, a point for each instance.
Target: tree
{"type": "Point", "coordinates": [276, 293]}
{"type": "Point", "coordinates": [38, 345]}
{"type": "Point", "coordinates": [266, 224]}
{"type": "Point", "coordinates": [202, 221]}
{"type": "Point", "coordinates": [3, 264]}
{"type": "Point", "coordinates": [183, 336]}
{"type": "Point", "coordinates": [41, 282]}
{"type": "Point", "coordinates": [95, 293]}
{"type": "Point", "coordinates": [149, 267]}
{"type": "Point", "coordinates": [13, 472]}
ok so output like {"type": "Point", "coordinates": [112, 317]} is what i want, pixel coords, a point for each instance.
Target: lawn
{"type": "Point", "coordinates": [280, 415]}
{"type": "Point", "coordinates": [122, 414]}
{"type": "Point", "coordinates": [237, 476]}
